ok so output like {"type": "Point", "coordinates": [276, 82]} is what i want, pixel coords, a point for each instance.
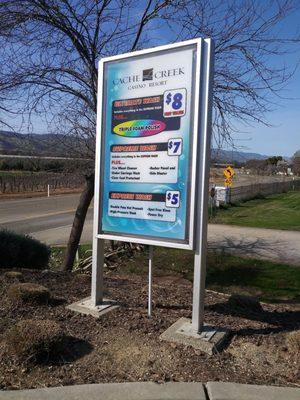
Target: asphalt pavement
{"type": "Point", "coordinates": [49, 219]}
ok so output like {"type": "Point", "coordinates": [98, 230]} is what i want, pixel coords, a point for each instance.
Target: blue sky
{"type": "Point", "coordinates": [283, 137]}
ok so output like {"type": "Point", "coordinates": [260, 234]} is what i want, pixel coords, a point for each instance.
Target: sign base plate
{"type": "Point", "coordinates": [86, 306]}
{"type": "Point", "coordinates": [209, 340]}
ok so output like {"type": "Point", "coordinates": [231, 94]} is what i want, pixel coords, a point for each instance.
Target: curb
{"type": "Point", "coordinates": [155, 391]}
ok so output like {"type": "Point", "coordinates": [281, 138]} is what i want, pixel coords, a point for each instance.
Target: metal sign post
{"type": "Point", "coordinates": [202, 183]}
{"type": "Point", "coordinates": [98, 245]}
{"type": "Point", "coordinates": [150, 281]}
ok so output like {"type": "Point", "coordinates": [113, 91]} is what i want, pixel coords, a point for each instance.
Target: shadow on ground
{"type": "Point", "coordinates": [284, 321]}
{"type": "Point", "coordinates": [72, 350]}
{"type": "Point", "coordinates": [250, 247]}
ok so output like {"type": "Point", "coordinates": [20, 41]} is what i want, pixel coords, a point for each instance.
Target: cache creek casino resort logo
{"type": "Point", "coordinates": [150, 115]}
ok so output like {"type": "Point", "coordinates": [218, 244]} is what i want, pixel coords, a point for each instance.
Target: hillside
{"type": "Point", "coordinates": [12, 143]}
{"type": "Point", "coordinates": [227, 156]}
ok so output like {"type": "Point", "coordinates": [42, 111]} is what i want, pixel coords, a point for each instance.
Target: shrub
{"type": "Point", "coordinates": [293, 342]}
{"type": "Point", "coordinates": [34, 340]}
{"type": "Point", "coordinates": [22, 251]}
{"type": "Point", "coordinates": [31, 293]}
{"type": "Point", "coordinates": [240, 302]}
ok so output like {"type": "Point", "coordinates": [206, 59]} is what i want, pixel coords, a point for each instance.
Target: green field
{"type": "Point", "coordinates": [280, 211]}
{"type": "Point", "coordinates": [15, 173]}
{"type": "Point", "coordinates": [268, 281]}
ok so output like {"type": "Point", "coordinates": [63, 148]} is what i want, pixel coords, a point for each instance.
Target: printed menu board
{"type": "Point", "coordinates": [146, 145]}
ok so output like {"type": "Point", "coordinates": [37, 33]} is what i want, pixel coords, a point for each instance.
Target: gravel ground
{"type": "Point", "coordinates": [124, 345]}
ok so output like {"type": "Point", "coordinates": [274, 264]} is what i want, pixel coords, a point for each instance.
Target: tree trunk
{"type": "Point", "coordinates": [77, 227]}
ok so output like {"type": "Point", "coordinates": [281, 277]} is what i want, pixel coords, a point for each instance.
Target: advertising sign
{"type": "Point", "coordinates": [152, 157]}
{"type": "Point", "coordinates": [147, 145]}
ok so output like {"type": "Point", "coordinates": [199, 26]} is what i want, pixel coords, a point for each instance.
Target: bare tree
{"type": "Point", "coordinates": [250, 72]}
{"type": "Point", "coordinates": [50, 57]}
{"type": "Point", "coordinates": [50, 49]}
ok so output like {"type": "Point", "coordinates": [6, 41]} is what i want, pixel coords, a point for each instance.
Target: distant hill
{"type": "Point", "coordinates": [228, 156]}
{"type": "Point", "coordinates": [12, 143]}
{"type": "Point", "coordinates": [52, 145]}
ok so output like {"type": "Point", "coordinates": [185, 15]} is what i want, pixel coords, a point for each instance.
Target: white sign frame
{"type": "Point", "coordinates": [199, 152]}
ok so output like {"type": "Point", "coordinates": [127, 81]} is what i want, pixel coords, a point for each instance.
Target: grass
{"type": "Point", "coordinates": [266, 280]}
{"type": "Point", "coordinates": [4, 174]}
{"type": "Point", "coordinates": [58, 253]}
{"type": "Point", "coordinates": [17, 173]}
{"type": "Point", "coordinates": [280, 211]}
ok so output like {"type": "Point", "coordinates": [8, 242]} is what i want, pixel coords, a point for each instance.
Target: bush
{"type": "Point", "coordinates": [22, 251]}
{"type": "Point", "coordinates": [34, 340]}
{"type": "Point", "coordinates": [240, 302]}
{"type": "Point", "coordinates": [31, 293]}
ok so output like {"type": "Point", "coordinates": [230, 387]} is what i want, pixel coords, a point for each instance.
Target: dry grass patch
{"type": "Point", "coordinates": [132, 356]}
{"type": "Point", "coordinates": [34, 340]}
{"type": "Point", "coordinates": [13, 276]}
{"type": "Point", "coordinates": [293, 342]}
{"type": "Point", "coordinates": [31, 293]}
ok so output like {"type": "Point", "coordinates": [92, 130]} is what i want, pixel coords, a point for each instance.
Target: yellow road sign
{"type": "Point", "coordinates": [228, 172]}
{"type": "Point", "coordinates": [228, 182]}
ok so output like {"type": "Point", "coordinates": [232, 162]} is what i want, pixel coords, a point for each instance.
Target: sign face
{"type": "Point", "coordinates": [149, 130]}
{"type": "Point", "coordinates": [228, 182]}
{"type": "Point", "coordinates": [228, 172]}
{"type": "Point", "coordinates": [221, 194]}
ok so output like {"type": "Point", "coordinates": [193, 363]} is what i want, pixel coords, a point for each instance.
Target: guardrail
{"type": "Point", "coordinates": [242, 193]}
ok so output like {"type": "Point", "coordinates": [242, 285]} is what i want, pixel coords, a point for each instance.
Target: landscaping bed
{"type": "Point", "coordinates": [124, 345]}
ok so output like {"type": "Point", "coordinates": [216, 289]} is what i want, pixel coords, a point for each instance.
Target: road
{"type": "Point", "coordinates": [50, 220]}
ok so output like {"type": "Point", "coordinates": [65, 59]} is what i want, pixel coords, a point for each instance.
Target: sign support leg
{"type": "Point", "coordinates": [95, 305]}
{"type": "Point", "coordinates": [97, 272]}
{"type": "Point", "coordinates": [150, 281]}
{"type": "Point", "coordinates": [202, 184]}
{"type": "Point", "coordinates": [198, 290]}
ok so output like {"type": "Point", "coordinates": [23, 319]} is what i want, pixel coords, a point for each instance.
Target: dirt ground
{"type": "Point", "coordinates": [124, 345]}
